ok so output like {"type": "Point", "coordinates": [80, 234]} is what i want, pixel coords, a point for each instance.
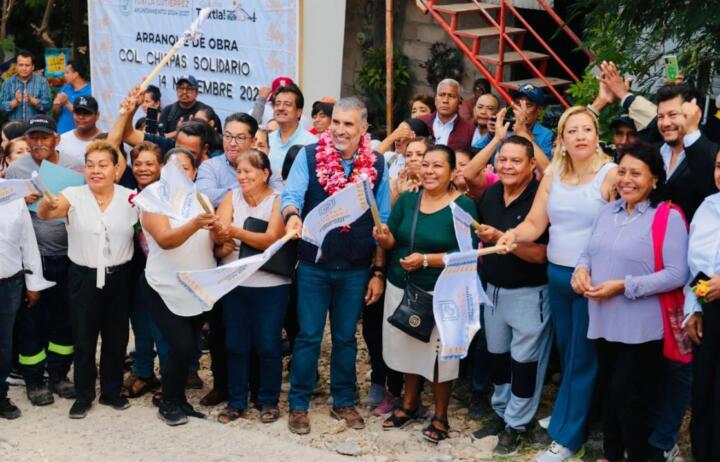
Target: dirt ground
{"type": "Point", "coordinates": [136, 434]}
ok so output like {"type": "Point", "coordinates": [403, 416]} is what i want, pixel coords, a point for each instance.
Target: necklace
{"type": "Point", "coordinates": [627, 221]}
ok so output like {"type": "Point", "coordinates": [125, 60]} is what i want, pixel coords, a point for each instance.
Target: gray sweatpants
{"type": "Point", "coordinates": [519, 336]}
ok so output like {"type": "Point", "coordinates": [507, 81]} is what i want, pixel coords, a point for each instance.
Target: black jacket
{"type": "Point", "coordinates": [693, 179]}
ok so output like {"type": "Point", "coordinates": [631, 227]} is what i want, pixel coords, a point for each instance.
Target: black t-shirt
{"type": "Point", "coordinates": [171, 114]}
{"type": "Point", "coordinates": [509, 271]}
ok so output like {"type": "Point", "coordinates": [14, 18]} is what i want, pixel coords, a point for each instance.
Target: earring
{"type": "Point", "coordinates": [563, 151]}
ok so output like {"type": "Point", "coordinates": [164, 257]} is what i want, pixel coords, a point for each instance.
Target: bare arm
{"type": "Point", "coordinates": [170, 238]}
{"type": "Point", "coordinates": [535, 222]}
{"type": "Point", "coordinates": [50, 210]}
{"type": "Point", "coordinates": [530, 252]}
{"type": "Point", "coordinates": [261, 241]}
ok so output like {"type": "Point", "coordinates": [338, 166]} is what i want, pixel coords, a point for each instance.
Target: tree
{"type": "Point", "coordinates": [636, 34]}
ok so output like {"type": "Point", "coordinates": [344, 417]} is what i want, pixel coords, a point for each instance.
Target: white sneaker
{"type": "Point", "coordinates": [558, 453]}
{"type": "Point", "coordinates": [672, 454]}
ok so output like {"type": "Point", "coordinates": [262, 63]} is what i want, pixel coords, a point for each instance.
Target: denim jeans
{"type": "Point", "coordinates": [342, 293]}
{"type": "Point", "coordinates": [253, 320]}
{"type": "Point", "coordinates": [147, 335]}
{"type": "Point", "coordinates": [11, 291]}
{"type": "Point", "coordinates": [673, 400]}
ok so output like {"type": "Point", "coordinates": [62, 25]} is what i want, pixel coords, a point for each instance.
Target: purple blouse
{"type": "Point", "coordinates": [621, 247]}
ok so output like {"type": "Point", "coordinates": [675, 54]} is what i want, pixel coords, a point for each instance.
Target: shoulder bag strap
{"type": "Point", "coordinates": [414, 226]}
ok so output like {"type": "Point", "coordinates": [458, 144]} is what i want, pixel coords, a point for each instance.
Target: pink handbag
{"type": "Point", "coordinates": [676, 343]}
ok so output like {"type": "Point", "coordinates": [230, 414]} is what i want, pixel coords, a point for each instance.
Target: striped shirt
{"type": "Point", "coordinates": [37, 86]}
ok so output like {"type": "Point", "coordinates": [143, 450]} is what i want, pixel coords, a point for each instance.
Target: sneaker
{"type": "Point", "coordinates": [508, 442]}
{"type": "Point", "coordinates": [375, 395]}
{"type": "Point", "coordinates": [559, 453]}
{"type": "Point", "coordinates": [298, 422]}
{"type": "Point", "coordinates": [351, 416]}
{"type": "Point", "coordinates": [479, 407]}
{"type": "Point", "coordinates": [194, 381]}
{"type": "Point", "coordinates": [544, 423]}
{"type": "Point", "coordinates": [119, 403]}
{"type": "Point", "coordinates": [190, 411]}
{"type": "Point", "coordinates": [172, 413]}
{"type": "Point", "coordinates": [387, 405]}
{"type": "Point", "coordinates": [79, 410]}
{"type": "Point", "coordinates": [493, 426]}
{"type": "Point", "coordinates": [40, 395]}
{"type": "Point", "coordinates": [61, 386]}
{"type": "Point", "coordinates": [8, 410]}
{"type": "Point", "coordinates": [659, 455]}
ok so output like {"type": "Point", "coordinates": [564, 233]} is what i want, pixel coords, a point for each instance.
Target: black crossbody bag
{"type": "Point", "coordinates": [414, 315]}
{"type": "Point", "coordinates": [282, 263]}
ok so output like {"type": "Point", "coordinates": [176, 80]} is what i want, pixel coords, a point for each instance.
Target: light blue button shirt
{"type": "Point", "coordinates": [703, 247]}
{"type": "Point", "coordinates": [278, 151]}
{"type": "Point", "coordinates": [666, 152]}
{"type": "Point", "coordinates": [299, 178]}
{"type": "Point", "coordinates": [216, 177]}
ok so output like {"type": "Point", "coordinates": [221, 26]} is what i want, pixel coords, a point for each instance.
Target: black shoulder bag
{"type": "Point", "coordinates": [282, 263]}
{"type": "Point", "coordinates": [414, 315]}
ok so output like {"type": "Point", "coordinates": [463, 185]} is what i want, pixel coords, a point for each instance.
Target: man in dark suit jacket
{"type": "Point", "coordinates": [688, 154]}
{"type": "Point", "coordinates": [446, 125]}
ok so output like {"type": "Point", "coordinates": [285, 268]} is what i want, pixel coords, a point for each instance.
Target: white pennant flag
{"type": "Point", "coordinates": [210, 285]}
{"type": "Point", "coordinates": [457, 296]}
{"type": "Point", "coordinates": [172, 195]}
{"type": "Point", "coordinates": [340, 209]}
{"type": "Point", "coordinates": [462, 222]}
{"type": "Point", "coordinates": [11, 190]}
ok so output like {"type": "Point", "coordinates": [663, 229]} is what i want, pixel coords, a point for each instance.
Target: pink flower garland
{"type": "Point", "coordinates": [330, 172]}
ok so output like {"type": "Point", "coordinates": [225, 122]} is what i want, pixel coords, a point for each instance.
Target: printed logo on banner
{"type": "Point", "coordinates": [126, 7]}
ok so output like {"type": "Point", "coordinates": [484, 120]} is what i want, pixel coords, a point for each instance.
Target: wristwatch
{"type": "Point", "coordinates": [425, 261]}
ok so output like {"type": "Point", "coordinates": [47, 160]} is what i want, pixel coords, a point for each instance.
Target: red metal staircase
{"type": "Point", "coordinates": [468, 40]}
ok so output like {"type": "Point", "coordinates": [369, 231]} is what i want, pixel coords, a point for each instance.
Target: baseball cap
{"type": "Point", "coordinates": [192, 81]}
{"type": "Point", "coordinates": [531, 92]}
{"type": "Point", "coordinates": [87, 103]}
{"type": "Point", "coordinates": [41, 123]}
{"type": "Point", "coordinates": [280, 82]}
{"type": "Point", "coordinates": [623, 120]}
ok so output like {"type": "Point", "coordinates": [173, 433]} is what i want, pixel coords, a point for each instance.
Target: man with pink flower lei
{"type": "Point", "coordinates": [350, 271]}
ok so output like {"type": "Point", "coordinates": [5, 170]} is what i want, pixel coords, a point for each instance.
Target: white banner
{"type": "Point", "coordinates": [457, 297]}
{"type": "Point", "coordinates": [172, 195]}
{"type": "Point", "coordinates": [11, 190]}
{"type": "Point", "coordinates": [462, 222]}
{"type": "Point", "coordinates": [340, 209]}
{"type": "Point", "coordinates": [210, 285]}
{"type": "Point", "coordinates": [245, 45]}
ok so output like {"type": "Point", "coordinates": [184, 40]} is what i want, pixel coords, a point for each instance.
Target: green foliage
{"type": "Point", "coordinates": [444, 63]}
{"type": "Point", "coordinates": [584, 92]}
{"type": "Point", "coordinates": [636, 34]}
{"type": "Point", "coordinates": [370, 83]}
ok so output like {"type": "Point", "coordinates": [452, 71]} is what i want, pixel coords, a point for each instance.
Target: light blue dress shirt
{"type": "Point", "coordinates": [666, 152]}
{"type": "Point", "coordinates": [278, 151]}
{"type": "Point", "coordinates": [299, 178]}
{"type": "Point", "coordinates": [215, 178]}
{"type": "Point", "coordinates": [703, 247]}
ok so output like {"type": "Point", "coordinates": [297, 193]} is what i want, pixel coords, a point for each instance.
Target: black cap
{"type": "Point", "coordinates": [192, 81]}
{"type": "Point", "coordinates": [41, 123]}
{"type": "Point", "coordinates": [623, 120]}
{"type": "Point", "coordinates": [87, 103]}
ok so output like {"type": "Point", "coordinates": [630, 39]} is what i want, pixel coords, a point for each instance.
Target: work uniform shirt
{"type": "Point", "coordinates": [509, 271]}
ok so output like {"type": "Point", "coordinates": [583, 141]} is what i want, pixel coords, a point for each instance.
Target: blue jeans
{"type": "Point", "coordinates": [147, 336]}
{"type": "Point", "coordinates": [342, 293]}
{"type": "Point", "coordinates": [11, 291]}
{"type": "Point", "coordinates": [673, 400]}
{"type": "Point", "coordinates": [253, 320]}
{"type": "Point", "coordinates": [569, 312]}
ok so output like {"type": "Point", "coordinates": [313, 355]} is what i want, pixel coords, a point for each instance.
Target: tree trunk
{"type": "Point", "coordinates": [7, 7]}
{"type": "Point", "coordinates": [41, 32]}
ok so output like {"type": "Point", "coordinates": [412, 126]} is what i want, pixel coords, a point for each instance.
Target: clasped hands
{"type": "Point", "coordinates": [581, 283]}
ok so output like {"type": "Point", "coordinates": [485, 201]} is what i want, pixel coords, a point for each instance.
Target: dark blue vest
{"type": "Point", "coordinates": [350, 250]}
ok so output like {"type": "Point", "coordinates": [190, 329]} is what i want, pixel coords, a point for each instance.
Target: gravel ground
{"type": "Point", "coordinates": [136, 434]}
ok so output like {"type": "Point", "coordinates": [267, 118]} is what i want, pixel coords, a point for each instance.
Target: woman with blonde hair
{"type": "Point", "coordinates": [578, 183]}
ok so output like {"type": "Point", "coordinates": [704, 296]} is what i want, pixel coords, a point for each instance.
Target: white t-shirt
{"type": "Point", "coordinates": [72, 146]}
{"type": "Point", "coordinates": [262, 211]}
{"type": "Point", "coordinates": [162, 266]}
{"type": "Point", "coordinates": [98, 239]}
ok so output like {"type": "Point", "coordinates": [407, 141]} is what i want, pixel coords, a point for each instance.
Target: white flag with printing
{"type": "Point", "coordinates": [340, 209]}
{"type": "Point", "coordinates": [172, 195]}
{"type": "Point", "coordinates": [457, 297]}
{"type": "Point", "coordinates": [210, 285]}
{"type": "Point", "coordinates": [11, 190]}
{"type": "Point", "coordinates": [462, 222]}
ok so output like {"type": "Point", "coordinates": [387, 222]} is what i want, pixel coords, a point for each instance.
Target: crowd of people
{"type": "Point", "coordinates": [611, 262]}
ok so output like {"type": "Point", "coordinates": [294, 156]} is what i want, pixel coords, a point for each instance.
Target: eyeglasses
{"type": "Point", "coordinates": [228, 137]}
{"type": "Point", "coordinates": [185, 89]}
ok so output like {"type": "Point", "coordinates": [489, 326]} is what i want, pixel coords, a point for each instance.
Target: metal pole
{"type": "Point", "coordinates": [389, 48]}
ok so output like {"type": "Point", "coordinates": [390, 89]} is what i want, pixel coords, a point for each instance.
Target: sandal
{"type": "Point", "coordinates": [400, 418]}
{"type": "Point", "coordinates": [229, 414]}
{"type": "Point", "coordinates": [136, 386]}
{"type": "Point", "coordinates": [269, 414]}
{"type": "Point", "coordinates": [434, 434]}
